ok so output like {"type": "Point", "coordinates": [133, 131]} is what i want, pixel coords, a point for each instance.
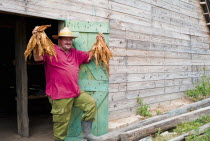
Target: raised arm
{"type": "Point", "coordinates": [36, 55]}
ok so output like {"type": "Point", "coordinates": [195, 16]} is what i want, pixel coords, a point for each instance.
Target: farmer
{"type": "Point", "coordinates": [62, 85]}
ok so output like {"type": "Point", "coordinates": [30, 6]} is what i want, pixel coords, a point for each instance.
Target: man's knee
{"type": "Point", "coordinates": [93, 102]}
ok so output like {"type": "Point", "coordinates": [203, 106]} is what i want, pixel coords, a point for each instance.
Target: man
{"type": "Point", "coordinates": [62, 86]}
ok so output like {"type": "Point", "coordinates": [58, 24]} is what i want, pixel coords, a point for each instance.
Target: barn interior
{"type": "Point", "coordinates": [38, 105]}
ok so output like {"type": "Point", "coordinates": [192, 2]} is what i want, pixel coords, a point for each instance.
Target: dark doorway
{"type": "Point", "coordinates": [38, 105]}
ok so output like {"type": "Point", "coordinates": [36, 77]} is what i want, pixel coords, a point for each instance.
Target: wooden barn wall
{"type": "Point", "coordinates": [160, 46]}
{"type": "Point", "coordinates": [86, 10]}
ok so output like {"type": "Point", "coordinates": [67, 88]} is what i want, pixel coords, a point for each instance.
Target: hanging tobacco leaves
{"type": "Point", "coordinates": [39, 41]}
{"type": "Point", "coordinates": [101, 52]}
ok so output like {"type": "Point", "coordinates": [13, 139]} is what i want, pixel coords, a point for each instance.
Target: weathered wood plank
{"type": "Point", "coordinates": [170, 27]}
{"type": "Point", "coordinates": [160, 61]}
{"type": "Point", "coordinates": [118, 61]}
{"type": "Point", "coordinates": [115, 33]}
{"type": "Point", "coordinates": [153, 69]}
{"type": "Point", "coordinates": [121, 25]}
{"type": "Point", "coordinates": [118, 78]}
{"type": "Point", "coordinates": [163, 98]}
{"type": "Point", "coordinates": [186, 19]}
{"type": "Point", "coordinates": [116, 87]}
{"type": "Point", "coordinates": [171, 7]}
{"type": "Point", "coordinates": [117, 105]}
{"type": "Point", "coordinates": [130, 10]}
{"type": "Point", "coordinates": [120, 43]}
{"type": "Point", "coordinates": [141, 132]}
{"type": "Point", "coordinates": [129, 18]}
{"type": "Point", "coordinates": [149, 54]}
{"type": "Point", "coordinates": [96, 3]}
{"type": "Point", "coordinates": [117, 96]}
{"type": "Point", "coordinates": [157, 91]}
{"type": "Point", "coordinates": [62, 12]}
{"type": "Point", "coordinates": [136, 4]}
{"type": "Point", "coordinates": [145, 93]}
{"type": "Point", "coordinates": [123, 113]}
{"type": "Point", "coordinates": [21, 79]}
{"type": "Point", "coordinates": [74, 6]}
{"type": "Point", "coordinates": [157, 83]}
{"type": "Point", "coordinates": [159, 76]}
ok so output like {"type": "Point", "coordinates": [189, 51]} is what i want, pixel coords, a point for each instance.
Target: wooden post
{"type": "Point", "coordinates": [21, 79]}
{"type": "Point", "coordinates": [61, 24]}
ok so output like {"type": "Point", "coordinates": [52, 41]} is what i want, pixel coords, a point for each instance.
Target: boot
{"type": "Point", "coordinates": [87, 131]}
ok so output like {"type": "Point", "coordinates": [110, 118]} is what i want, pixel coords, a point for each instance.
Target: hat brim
{"type": "Point", "coordinates": [56, 36]}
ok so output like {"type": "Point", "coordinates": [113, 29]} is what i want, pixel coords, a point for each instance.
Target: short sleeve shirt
{"type": "Point", "coordinates": [62, 74]}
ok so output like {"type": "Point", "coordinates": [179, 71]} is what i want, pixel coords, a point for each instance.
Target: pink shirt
{"type": "Point", "coordinates": [62, 75]}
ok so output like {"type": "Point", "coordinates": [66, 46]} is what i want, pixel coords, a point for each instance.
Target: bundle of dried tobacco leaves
{"type": "Point", "coordinates": [39, 41]}
{"type": "Point", "coordinates": [101, 52]}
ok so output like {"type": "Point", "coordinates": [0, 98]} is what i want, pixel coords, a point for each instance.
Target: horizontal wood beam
{"type": "Point", "coordinates": [203, 2]}
{"type": "Point", "coordinates": [115, 135]}
{"type": "Point", "coordinates": [136, 134]}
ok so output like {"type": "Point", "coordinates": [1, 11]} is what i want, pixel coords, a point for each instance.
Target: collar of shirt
{"type": "Point", "coordinates": [60, 48]}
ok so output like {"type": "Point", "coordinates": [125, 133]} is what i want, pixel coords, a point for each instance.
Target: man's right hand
{"type": "Point", "coordinates": [35, 29]}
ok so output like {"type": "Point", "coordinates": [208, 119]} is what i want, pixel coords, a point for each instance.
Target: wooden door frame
{"type": "Point", "coordinates": [21, 78]}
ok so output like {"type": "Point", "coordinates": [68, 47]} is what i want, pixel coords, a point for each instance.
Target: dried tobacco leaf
{"type": "Point", "coordinates": [40, 41]}
{"type": "Point", "coordinates": [100, 51]}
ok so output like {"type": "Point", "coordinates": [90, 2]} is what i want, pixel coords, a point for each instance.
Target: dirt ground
{"type": "Point", "coordinates": [160, 109]}
{"type": "Point", "coordinates": [41, 129]}
{"type": "Point", "coordinates": [41, 126]}
{"type": "Point", "coordinates": [174, 104]}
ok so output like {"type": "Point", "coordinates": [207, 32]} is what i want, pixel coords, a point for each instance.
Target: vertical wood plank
{"type": "Point", "coordinates": [61, 24]}
{"type": "Point", "coordinates": [21, 79]}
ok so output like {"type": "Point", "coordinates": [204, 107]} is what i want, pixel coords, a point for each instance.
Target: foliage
{"type": "Point", "coordinates": [159, 137]}
{"type": "Point", "coordinates": [198, 137]}
{"type": "Point", "coordinates": [186, 127]}
{"type": "Point", "coordinates": [201, 90]}
{"type": "Point", "coordinates": [158, 133]}
{"type": "Point", "coordinates": [143, 109]}
{"type": "Point", "coordinates": [158, 112]}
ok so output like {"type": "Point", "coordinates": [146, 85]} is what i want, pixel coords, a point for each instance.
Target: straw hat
{"type": "Point", "coordinates": [65, 32]}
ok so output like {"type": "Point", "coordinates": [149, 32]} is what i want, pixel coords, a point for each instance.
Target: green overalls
{"type": "Point", "coordinates": [61, 111]}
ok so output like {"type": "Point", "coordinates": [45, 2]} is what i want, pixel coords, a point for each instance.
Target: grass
{"type": "Point", "coordinates": [186, 127]}
{"type": "Point", "coordinates": [158, 112]}
{"type": "Point", "coordinates": [198, 137]}
{"type": "Point", "coordinates": [143, 109]}
{"type": "Point", "coordinates": [201, 90]}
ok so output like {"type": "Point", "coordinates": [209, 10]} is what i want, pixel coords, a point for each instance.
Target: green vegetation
{"type": "Point", "coordinates": [143, 109]}
{"type": "Point", "coordinates": [201, 90]}
{"type": "Point", "coordinates": [186, 127]}
{"type": "Point", "coordinates": [159, 137]}
{"type": "Point", "coordinates": [158, 112]}
{"type": "Point", "coordinates": [198, 137]}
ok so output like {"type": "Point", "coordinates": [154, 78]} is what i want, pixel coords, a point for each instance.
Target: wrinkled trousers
{"type": "Point", "coordinates": [61, 112]}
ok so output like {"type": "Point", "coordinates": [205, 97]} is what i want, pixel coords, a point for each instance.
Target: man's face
{"type": "Point", "coordinates": [65, 43]}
